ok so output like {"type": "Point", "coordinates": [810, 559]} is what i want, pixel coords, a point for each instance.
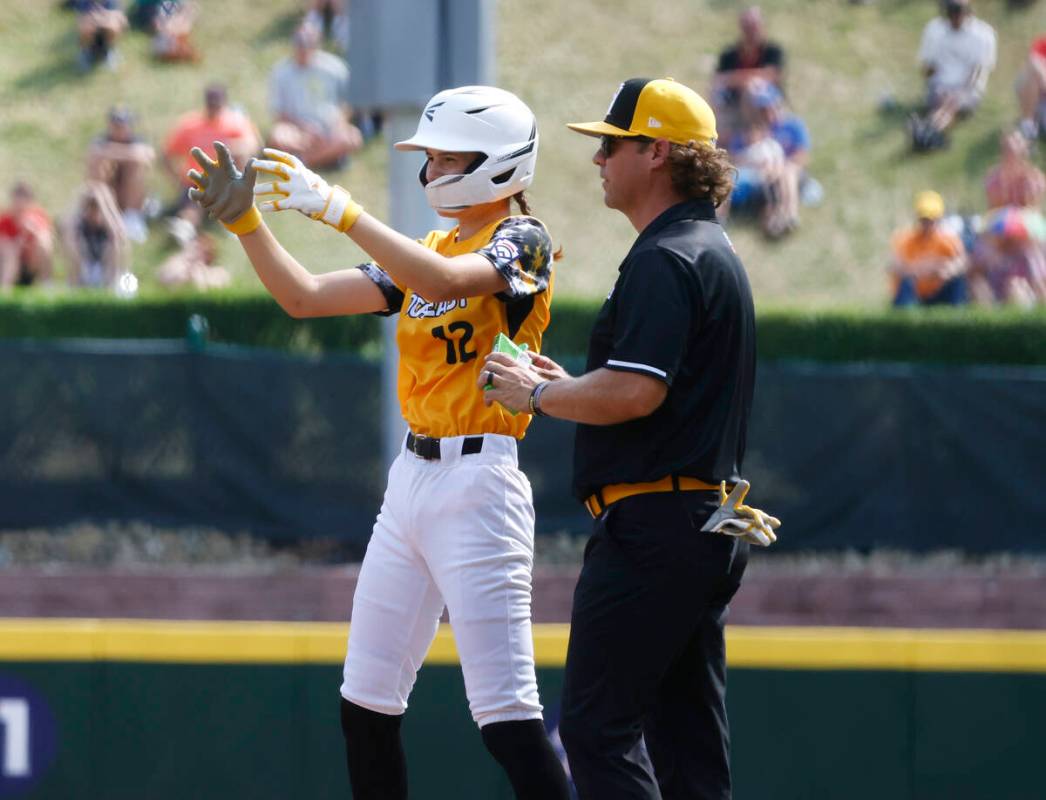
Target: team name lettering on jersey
{"type": "Point", "coordinates": [420, 308]}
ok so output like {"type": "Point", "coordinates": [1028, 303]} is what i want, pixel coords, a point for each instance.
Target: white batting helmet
{"type": "Point", "coordinates": [477, 119]}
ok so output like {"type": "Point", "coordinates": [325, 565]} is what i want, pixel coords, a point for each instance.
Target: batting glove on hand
{"type": "Point", "coordinates": [298, 187]}
{"type": "Point", "coordinates": [225, 192]}
{"type": "Point", "coordinates": [733, 518]}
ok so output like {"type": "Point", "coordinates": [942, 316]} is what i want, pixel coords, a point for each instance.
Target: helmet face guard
{"type": "Point", "coordinates": [477, 119]}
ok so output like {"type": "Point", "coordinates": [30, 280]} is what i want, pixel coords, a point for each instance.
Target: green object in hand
{"type": "Point", "coordinates": [517, 352]}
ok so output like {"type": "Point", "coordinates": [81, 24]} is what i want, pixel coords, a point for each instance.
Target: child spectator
{"type": "Point", "coordinates": [26, 241]}
{"type": "Point", "coordinates": [1015, 180]}
{"type": "Point", "coordinates": [172, 31]}
{"type": "Point", "coordinates": [754, 56]}
{"type": "Point", "coordinates": [121, 160]}
{"type": "Point", "coordinates": [94, 238]}
{"type": "Point", "coordinates": [957, 53]}
{"type": "Point", "coordinates": [1009, 265]}
{"type": "Point", "coordinates": [99, 24]}
{"type": "Point", "coordinates": [929, 261]}
{"type": "Point", "coordinates": [308, 93]}
{"type": "Point", "coordinates": [1031, 91]}
{"type": "Point", "coordinates": [216, 122]}
{"type": "Point", "coordinates": [193, 265]}
{"type": "Point", "coordinates": [764, 183]}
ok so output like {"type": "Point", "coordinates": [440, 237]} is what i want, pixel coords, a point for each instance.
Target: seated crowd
{"type": "Point", "coordinates": [114, 207]}
{"type": "Point", "coordinates": [998, 256]}
{"type": "Point", "coordinates": [941, 258]}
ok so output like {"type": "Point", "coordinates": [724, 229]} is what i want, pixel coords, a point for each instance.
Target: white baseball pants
{"type": "Point", "coordinates": [458, 531]}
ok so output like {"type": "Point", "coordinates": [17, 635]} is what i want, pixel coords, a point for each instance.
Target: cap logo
{"type": "Point", "coordinates": [653, 122]}
{"type": "Point", "coordinates": [614, 98]}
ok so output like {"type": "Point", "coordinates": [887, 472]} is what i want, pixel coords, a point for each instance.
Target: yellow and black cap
{"type": "Point", "coordinates": [656, 108]}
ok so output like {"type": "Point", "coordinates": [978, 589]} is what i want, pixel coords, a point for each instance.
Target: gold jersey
{"type": "Point", "coordinates": [442, 345]}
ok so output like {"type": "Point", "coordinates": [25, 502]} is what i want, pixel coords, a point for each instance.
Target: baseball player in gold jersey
{"type": "Point", "coordinates": [456, 528]}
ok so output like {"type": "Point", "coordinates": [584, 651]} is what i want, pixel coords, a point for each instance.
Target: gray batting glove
{"type": "Point", "coordinates": [221, 189]}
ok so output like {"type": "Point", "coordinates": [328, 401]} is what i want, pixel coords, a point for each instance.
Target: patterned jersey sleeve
{"type": "Point", "coordinates": [394, 295]}
{"type": "Point", "coordinates": [521, 250]}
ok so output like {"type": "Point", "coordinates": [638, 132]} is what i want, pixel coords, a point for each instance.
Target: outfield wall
{"type": "Point", "coordinates": [902, 456]}
{"type": "Point", "coordinates": [145, 709]}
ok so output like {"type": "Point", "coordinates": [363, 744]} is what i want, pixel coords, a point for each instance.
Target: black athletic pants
{"type": "Point", "coordinates": [646, 659]}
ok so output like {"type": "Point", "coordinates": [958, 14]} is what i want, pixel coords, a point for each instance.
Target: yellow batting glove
{"type": "Point", "coordinates": [295, 186]}
{"type": "Point", "coordinates": [734, 518]}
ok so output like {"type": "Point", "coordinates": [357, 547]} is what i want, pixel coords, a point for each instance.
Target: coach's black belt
{"type": "Point", "coordinates": [427, 447]}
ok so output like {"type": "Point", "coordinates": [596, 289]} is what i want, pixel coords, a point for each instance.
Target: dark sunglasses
{"type": "Point", "coordinates": [607, 142]}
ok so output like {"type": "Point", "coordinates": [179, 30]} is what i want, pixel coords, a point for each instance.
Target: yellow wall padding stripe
{"type": "Point", "coordinates": [167, 641]}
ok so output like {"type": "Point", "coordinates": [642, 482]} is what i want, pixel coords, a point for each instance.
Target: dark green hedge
{"type": "Point", "coordinates": [946, 336]}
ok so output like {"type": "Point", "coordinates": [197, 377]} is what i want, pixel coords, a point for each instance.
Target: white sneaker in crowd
{"type": "Point", "coordinates": [134, 224]}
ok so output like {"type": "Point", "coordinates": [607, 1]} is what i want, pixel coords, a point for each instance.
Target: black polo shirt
{"type": "Point", "coordinates": [681, 312]}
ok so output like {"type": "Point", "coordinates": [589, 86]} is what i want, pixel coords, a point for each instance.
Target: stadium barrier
{"type": "Point", "coordinates": [906, 456]}
{"type": "Point", "coordinates": [211, 710]}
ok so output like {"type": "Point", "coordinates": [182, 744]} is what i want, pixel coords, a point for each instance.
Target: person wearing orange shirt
{"type": "Point", "coordinates": [929, 261]}
{"type": "Point", "coordinates": [215, 122]}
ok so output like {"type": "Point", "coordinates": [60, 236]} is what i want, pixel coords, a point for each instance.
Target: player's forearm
{"type": "Point", "coordinates": [288, 282]}
{"type": "Point", "coordinates": [408, 262]}
{"type": "Point", "coordinates": [602, 397]}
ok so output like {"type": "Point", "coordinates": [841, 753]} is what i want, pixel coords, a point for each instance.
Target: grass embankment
{"type": "Point", "coordinates": [565, 59]}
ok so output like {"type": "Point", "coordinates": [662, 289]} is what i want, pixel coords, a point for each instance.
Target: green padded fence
{"type": "Point", "coordinates": [230, 710]}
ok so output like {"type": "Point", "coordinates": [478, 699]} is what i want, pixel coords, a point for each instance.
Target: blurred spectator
{"type": "Point", "coordinates": [754, 56]}
{"type": "Point", "coordinates": [929, 260]}
{"type": "Point", "coordinates": [765, 183]}
{"type": "Point", "coordinates": [26, 241]}
{"type": "Point", "coordinates": [1009, 265]}
{"type": "Point", "coordinates": [1031, 91]}
{"type": "Point", "coordinates": [308, 93]}
{"type": "Point", "coordinates": [121, 160]}
{"type": "Point", "coordinates": [193, 265]}
{"type": "Point", "coordinates": [216, 122]}
{"type": "Point", "coordinates": [331, 19]}
{"type": "Point", "coordinates": [1015, 180]}
{"type": "Point", "coordinates": [957, 53]}
{"type": "Point", "coordinates": [99, 24]}
{"type": "Point", "coordinates": [171, 25]}
{"type": "Point", "coordinates": [95, 239]}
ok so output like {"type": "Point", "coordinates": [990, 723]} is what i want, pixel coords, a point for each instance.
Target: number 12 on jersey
{"type": "Point", "coordinates": [457, 336]}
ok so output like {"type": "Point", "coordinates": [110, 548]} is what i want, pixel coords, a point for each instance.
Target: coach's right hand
{"type": "Point", "coordinates": [224, 192]}
{"type": "Point", "coordinates": [547, 368]}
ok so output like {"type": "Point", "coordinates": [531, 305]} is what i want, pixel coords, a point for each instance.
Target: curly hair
{"type": "Point", "coordinates": [701, 171]}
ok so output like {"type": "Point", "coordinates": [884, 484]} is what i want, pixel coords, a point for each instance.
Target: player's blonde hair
{"type": "Point", "coordinates": [701, 171]}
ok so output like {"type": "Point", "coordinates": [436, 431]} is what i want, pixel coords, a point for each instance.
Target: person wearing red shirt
{"type": "Point", "coordinates": [26, 241]}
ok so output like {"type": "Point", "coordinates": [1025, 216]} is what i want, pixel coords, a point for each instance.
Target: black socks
{"type": "Point", "coordinates": [373, 753]}
{"type": "Point", "coordinates": [523, 750]}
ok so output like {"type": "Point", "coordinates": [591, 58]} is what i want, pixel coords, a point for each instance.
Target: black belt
{"type": "Point", "coordinates": [427, 447]}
